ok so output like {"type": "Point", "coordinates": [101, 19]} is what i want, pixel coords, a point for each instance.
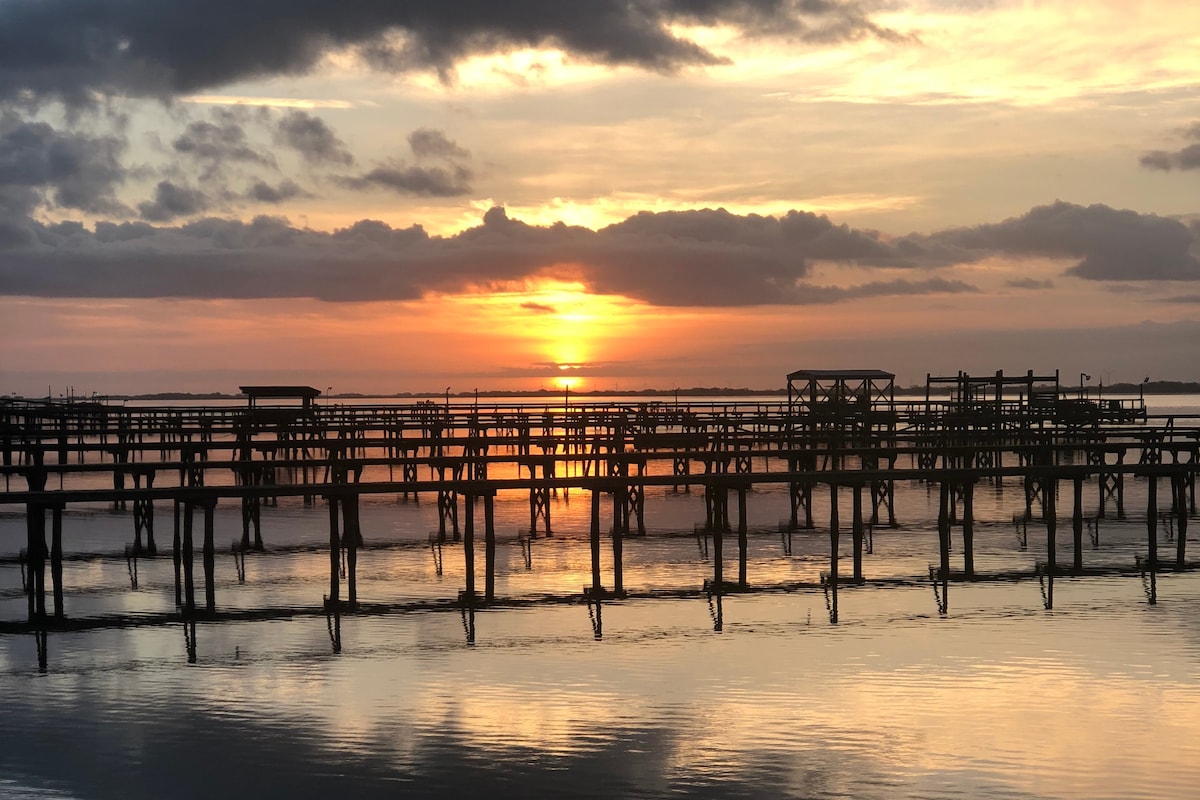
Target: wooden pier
{"type": "Point", "coordinates": [836, 430]}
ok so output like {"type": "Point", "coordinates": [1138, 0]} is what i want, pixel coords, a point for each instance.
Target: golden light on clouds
{"type": "Point", "coordinates": [269, 102]}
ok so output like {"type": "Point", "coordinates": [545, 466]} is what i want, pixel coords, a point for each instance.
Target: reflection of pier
{"type": "Point", "coordinates": [840, 435]}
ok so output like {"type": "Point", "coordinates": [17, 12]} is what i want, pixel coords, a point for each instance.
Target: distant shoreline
{"type": "Point", "coordinates": [1150, 388]}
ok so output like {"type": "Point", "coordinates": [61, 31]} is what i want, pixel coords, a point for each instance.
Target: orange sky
{"type": "Point", "coordinates": [926, 187]}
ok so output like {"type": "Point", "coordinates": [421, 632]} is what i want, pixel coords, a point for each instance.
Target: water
{"type": "Point", "coordinates": [668, 694]}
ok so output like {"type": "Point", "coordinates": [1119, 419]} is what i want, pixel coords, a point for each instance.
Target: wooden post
{"type": "Point", "coordinates": [177, 556]}
{"type": "Point", "coordinates": [1049, 503]}
{"type": "Point", "coordinates": [351, 535]}
{"type": "Point", "coordinates": [595, 541]}
{"type": "Point", "coordinates": [742, 531]}
{"type": "Point", "coordinates": [968, 524]}
{"type": "Point", "coordinates": [35, 531]}
{"type": "Point", "coordinates": [335, 545]}
{"type": "Point", "coordinates": [1152, 519]}
{"type": "Point", "coordinates": [469, 549]}
{"type": "Point", "coordinates": [1181, 517]}
{"type": "Point", "coordinates": [1077, 524]}
{"type": "Point", "coordinates": [718, 532]}
{"type": "Point", "coordinates": [56, 554]}
{"type": "Point", "coordinates": [856, 531]}
{"type": "Point", "coordinates": [210, 593]}
{"type": "Point", "coordinates": [945, 498]}
{"type": "Point", "coordinates": [1152, 534]}
{"type": "Point", "coordinates": [489, 547]}
{"type": "Point", "coordinates": [189, 585]}
{"type": "Point", "coordinates": [833, 552]}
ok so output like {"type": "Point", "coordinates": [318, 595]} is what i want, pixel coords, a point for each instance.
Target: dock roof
{"type": "Point", "coordinates": [842, 374]}
{"type": "Point", "coordinates": [304, 392]}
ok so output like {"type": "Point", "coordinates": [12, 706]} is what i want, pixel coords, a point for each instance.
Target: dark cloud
{"type": "Point", "coordinates": [1029, 283]}
{"type": "Point", "coordinates": [219, 143]}
{"type": "Point", "coordinates": [172, 201]}
{"type": "Point", "coordinates": [1187, 157]}
{"type": "Point", "coordinates": [452, 181]}
{"type": "Point", "coordinates": [263, 192]}
{"type": "Point", "coordinates": [539, 308]}
{"type": "Point", "coordinates": [313, 139]}
{"type": "Point", "coordinates": [1111, 244]}
{"type": "Point", "coordinates": [40, 164]}
{"type": "Point", "coordinates": [685, 258]}
{"type": "Point", "coordinates": [74, 49]}
{"type": "Point", "coordinates": [430, 143]}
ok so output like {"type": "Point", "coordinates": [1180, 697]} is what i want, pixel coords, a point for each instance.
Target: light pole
{"type": "Point", "coordinates": [1083, 376]}
{"type": "Point", "coordinates": [447, 401]}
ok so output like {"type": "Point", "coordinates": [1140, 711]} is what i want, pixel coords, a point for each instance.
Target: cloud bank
{"type": "Point", "coordinates": [683, 258]}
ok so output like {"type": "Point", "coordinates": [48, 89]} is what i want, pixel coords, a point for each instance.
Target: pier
{"type": "Point", "coordinates": [839, 436]}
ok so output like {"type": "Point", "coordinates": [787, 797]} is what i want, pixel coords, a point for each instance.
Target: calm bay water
{"type": "Point", "coordinates": [664, 696]}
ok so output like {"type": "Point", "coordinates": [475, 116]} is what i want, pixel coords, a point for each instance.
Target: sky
{"type": "Point", "coordinates": [371, 196]}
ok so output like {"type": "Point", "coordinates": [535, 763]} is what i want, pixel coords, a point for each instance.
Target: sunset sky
{"type": "Point", "coordinates": [382, 196]}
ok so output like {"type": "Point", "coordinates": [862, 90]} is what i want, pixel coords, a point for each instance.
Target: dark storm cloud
{"type": "Point", "coordinates": [40, 164]}
{"type": "Point", "coordinates": [73, 49]}
{"type": "Point", "coordinates": [313, 139]}
{"type": "Point", "coordinates": [686, 258]}
{"type": "Point", "coordinates": [1187, 157]}
{"type": "Point", "coordinates": [171, 201]}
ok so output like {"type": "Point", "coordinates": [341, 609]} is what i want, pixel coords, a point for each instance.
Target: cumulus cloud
{"type": "Point", "coordinates": [313, 139]}
{"type": "Point", "coordinates": [263, 192]}
{"type": "Point", "coordinates": [414, 180]}
{"type": "Point", "coordinates": [219, 143]}
{"type": "Point", "coordinates": [74, 49]}
{"type": "Point", "coordinates": [430, 143]}
{"type": "Point", "coordinates": [684, 258]}
{"type": "Point", "coordinates": [171, 201]}
{"type": "Point", "coordinates": [452, 178]}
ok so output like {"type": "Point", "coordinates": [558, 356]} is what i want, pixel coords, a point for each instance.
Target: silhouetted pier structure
{"type": "Point", "coordinates": [840, 432]}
